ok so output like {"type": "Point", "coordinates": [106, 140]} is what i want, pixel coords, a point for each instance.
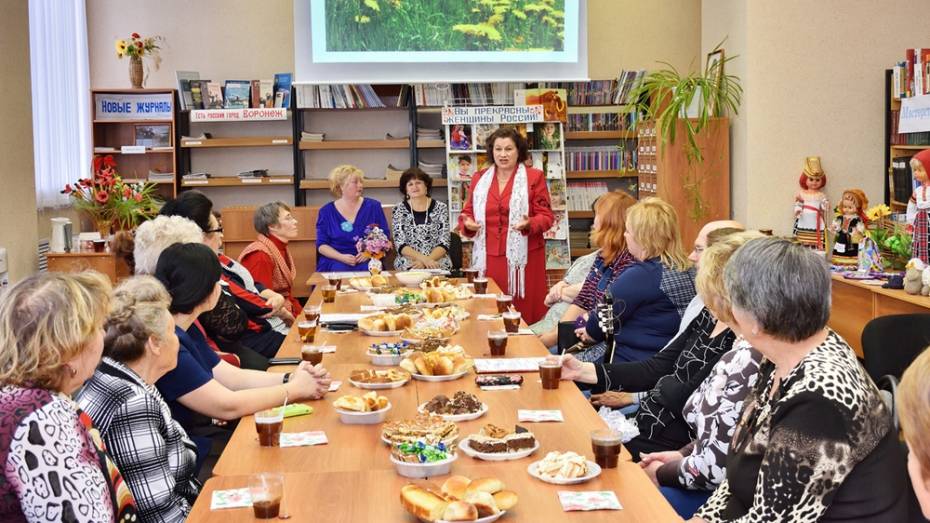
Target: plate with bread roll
{"type": "Point", "coordinates": [374, 379]}
{"type": "Point", "coordinates": [564, 468]}
{"type": "Point", "coordinates": [458, 499]}
{"type": "Point", "coordinates": [366, 283]}
{"type": "Point", "coordinates": [436, 365]}
{"type": "Point", "coordinates": [385, 324]}
{"type": "Point", "coordinates": [368, 409]}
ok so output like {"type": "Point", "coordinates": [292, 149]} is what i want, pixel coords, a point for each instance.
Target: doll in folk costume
{"type": "Point", "coordinates": [918, 207]}
{"type": "Point", "coordinates": [810, 205]}
{"type": "Point", "coordinates": [849, 228]}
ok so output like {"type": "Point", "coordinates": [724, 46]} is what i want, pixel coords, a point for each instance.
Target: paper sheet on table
{"type": "Point", "coordinates": [491, 365]}
{"type": "Point", "coordinates": [539, 416]}
{"type": "Point", "coordinates": [347, 274]}
{"type": "Point", "coordinates": [589, 500]}
{"type": "Point", "coordinates": [334, 385]}
{"type": "Point", "coordinates": [303, 439]}
{"type": "Point", "coordinates": [341, 317]}
{"type": "Point", "coordinates": [325, 349]}
{"type": "Point", "coordinates": [232, 498]}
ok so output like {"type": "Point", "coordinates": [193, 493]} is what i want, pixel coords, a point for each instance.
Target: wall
{"type": "Point", "coordinates": [17, 199]}
{"type": "Point", "coordinates": [814, 74]}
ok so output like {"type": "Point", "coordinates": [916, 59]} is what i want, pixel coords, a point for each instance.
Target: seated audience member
{"type": "Point", "coordinates": [157, 459]}
{"type": "Point", "coordinates": [650, 296]}
{"type": "Point", "coordinates": [343, 220]}
{"type": "Point", "coordinates": [202, 386]}
{"type": "Point", "coordinates": [612, 258]}
{"type": "Point", "coordinates": [51, 339]}
{"type": "Point", "coordinates": [673, 374]}
{"type": "Point", "coordinates": [815, 441]}
{"type": "Point", "coordinates": [223, 325]}
{"type": "Point", "coordinates": [562, 294]}
{"type": "Point", "coordinates": [267, 258]}
{"type": "Point", "coordinates": [265, 329]}
{"type": "Point", "coordinates": [420, 225]}
{"type": "Point", "coordinates": [913, 403]}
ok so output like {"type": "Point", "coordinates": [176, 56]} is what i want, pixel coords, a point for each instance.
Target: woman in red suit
{"type": "Point", "coordinates": [507, 213]}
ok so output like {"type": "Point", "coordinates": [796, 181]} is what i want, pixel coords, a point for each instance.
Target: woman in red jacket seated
{"type": "Point", "coordinates": [507, 213]}
{"type": "Point", "coordinates": [267, 258]}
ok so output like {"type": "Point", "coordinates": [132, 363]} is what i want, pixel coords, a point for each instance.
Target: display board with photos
{"type": "Point", "coordinates": [466, 155]}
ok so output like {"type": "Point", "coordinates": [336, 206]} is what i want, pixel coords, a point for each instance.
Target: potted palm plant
{"type": "Point", "coordinates": [689, 103]}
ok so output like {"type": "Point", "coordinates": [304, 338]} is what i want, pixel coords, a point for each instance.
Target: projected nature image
{"type": "Point", "coordinates": [445, 25]}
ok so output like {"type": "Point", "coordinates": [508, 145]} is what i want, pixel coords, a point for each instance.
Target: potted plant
{"type": "Point", "coordinates": [109, 201]}
{"type": "Point", "coordinates": [136, 47]}
{"type": "Point", "coordinates": [690, 101]}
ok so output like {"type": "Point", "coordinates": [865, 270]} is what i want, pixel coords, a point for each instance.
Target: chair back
{"type": "Point", "coordinates": [890, 343]}
{"type": "Point", "coordinates": [455, 253]}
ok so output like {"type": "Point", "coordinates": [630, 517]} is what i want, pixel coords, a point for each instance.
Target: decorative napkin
{"type": "Point", "coordinates": [489, 317]}
{"type": "Point", "coordinates": [303, 439]}
{"type": "Point", "coordinates": [334, 385]}
{"type": "Point", "coordinates": [539, 415]}
{"type": "Point", "coordinates": [503, 365]}
{"type": "Point", "coordinates": [232, 498]}
{"type": "Point", "coordinates": [589, 500]}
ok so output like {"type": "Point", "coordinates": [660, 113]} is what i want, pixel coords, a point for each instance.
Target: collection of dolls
{"type": "Point", "coordinates": [849, 228]}
{"type": "Point", "coordinates": [918, 206]}
{"type": "Point", "coordinates": [810, 205]}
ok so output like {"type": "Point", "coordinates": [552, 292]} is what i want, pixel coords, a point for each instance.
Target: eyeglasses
{"type": "Point", "coordinates": [212, 231]}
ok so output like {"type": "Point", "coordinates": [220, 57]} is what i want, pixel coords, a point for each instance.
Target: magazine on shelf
{"type": "Point", "coordinates": [557, 194]}
{"type": "Point", "coordinates": [456, 197]}
{"type": "Point", "coordinates": [557, 254]}
{"type": "Point", "coordinates": [184, 88]}
{"type": "Point", "coordinates": [461, 167]}
{"type": "Point", "coordinates": [198, 94]}
{"type": "Point", "coordinates": [460, 138]}
{"type": "Point", "coordinates": [237, 94]}
{"type": "Point", "coordinates": [255, 97]}
{"type": "Point", "coordinates": [282, 86]}
{"type": "Point", "coordinates": [482, 132]}
{"type": "Point", "coordinates": [554, 169]}
{"type": "Point", "coordinates": [214, 99]}
{"type": "Point", "coordinates": [559, 229]}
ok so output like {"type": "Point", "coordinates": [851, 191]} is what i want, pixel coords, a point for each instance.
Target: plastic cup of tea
{"type": "Point", "coordinates": [267, 492]}
{"type": "Point", "coordinates": [550, 373]}
{"type": "Point", "coordinates": [268, 424]}
{"type": "Point", "coordinates": [329, 294]}
{"type": "Point", "coordinates": [606, 444]}
{"type": "Point", "coordinates": [307, 330]}
{"type": "Point", "coordinates": [497, 342]}
{"type": "Point", "coordinates": [335, 282]}
{"type": "Point", "coordinates": [312, 354]}
{"type": "Point", "coordinates": [504, 302]}
{"type": "Point", "coordinates": [481, 285]}
{"type": "Point", "coordinates": [470, 274]}
{"type": "Point", "coordinates": [312, 312]}
{"type": "Point", "coordinates": [511, 321]}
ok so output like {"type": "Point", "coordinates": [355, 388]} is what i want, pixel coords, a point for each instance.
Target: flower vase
{"type": "Point", "coordinates": [136, 74]}
{"type": "Point", "coordinates": [374, 266]}
{"type": "Point", "coordinates": [104, 227]}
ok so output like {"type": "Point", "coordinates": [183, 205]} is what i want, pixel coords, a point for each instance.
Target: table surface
{"type": "Point", "coordinates": [352, 479]}
{"type": "Point", "coordinates": [898, 294]}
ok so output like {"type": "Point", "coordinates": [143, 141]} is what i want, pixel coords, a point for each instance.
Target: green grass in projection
{"type": "Point", "coordinates": [445, 25]}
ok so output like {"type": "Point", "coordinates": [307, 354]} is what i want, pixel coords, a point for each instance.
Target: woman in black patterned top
{"type": "Point", "coordinates": [815, 441]}
{"type": "Point", "coordinates": [157, 459]}
{"type": "Point", "coordinates": [421, 225]}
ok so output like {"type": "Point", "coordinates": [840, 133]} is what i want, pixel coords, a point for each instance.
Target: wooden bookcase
{"type": "Point", "coordinates": [896, 151]}
{"type": "Point", "coordinates": [112, 133]}
{"type": "Point", "coordinates": [690, 187]}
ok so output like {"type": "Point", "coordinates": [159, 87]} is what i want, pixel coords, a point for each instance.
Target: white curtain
{"type": "Point", "coordinates": [61, 109]}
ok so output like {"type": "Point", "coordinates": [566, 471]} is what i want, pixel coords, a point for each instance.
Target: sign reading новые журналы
{"type": "Point", "coordinates": [493, 114]}
{"type": "Point", "coordinates": [116, 106]}
{"type": "Point", "coordinates": [915, 114]}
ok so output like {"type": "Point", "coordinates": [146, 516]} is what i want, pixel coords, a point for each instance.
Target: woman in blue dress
{"type": "Point", "coordinates": [342, 222]}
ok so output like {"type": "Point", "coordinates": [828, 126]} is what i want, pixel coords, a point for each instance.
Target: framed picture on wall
{"type": "Point", "coordinates": [153, 135]}
{"type": "Point", "coordinates": [715, 64]}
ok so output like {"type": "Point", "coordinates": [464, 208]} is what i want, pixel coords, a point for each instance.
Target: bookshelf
{"type": "Point", "coordinates": [138, 128]}
{"type": "Point", "coordinates": [899, 148]}
{"type": "Point", "coordinates": [226, 142]}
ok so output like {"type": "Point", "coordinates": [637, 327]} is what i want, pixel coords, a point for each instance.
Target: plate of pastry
{"type": "Point", "coordinates": [374, 379]}
{"type": "Point", "coordinates": [463, 406]}
{"type": "Point", "coordinates": [564, 468]}
{"type": "Point", "coordinates": [494, 443]}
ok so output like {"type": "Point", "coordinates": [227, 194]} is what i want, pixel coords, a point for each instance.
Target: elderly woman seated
{"type": "Point", "coordinates": [267, 258]}
{"type": "Point", "coordinates": [815, 441]}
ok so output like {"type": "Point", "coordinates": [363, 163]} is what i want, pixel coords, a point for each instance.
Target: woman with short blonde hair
{"type": "Point", "coordinates": [51, 340]}
{"type": "Point", "coordinates": [913, 401]}
{"type": "Point", "coordinates": [340, 223]}
{"type": "Point", "coordinates": [649, 297]}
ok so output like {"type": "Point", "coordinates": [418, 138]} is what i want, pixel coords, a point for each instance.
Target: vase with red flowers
{"type": "Point", "coordinates": [109, 201]}
{"type": "Point", "coordinates": [136, 47]}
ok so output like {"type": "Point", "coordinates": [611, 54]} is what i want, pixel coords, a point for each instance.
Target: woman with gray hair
{"type": "Point", "coordinates": [267, 258]}
{"type": "Point", "coordinates": [814, 436]}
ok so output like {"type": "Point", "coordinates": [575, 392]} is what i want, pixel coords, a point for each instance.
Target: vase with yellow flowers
{"type": "Point", "coordinates": [136, 48]}
{"type": "Point", "coordinates": [111, 202]}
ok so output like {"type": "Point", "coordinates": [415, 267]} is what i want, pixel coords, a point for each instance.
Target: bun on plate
{"type": "Point", "coordinates": [455, 486]}
{"type": "Point", "coordinates": [489, 485]}
{"type": "Point", "coordinates": [460, 511]}
{"type": "Point", "coordinates": [422, 503]}
{"type": "Point", "coordinates": [484, 502]}
{"type": "Point", "coordinates": [505, 499]}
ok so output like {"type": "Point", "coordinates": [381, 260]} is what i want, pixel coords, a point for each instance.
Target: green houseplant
{"type": "Point", "coordinates": [665, 97]}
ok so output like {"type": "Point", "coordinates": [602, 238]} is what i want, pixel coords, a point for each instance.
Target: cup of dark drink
{"type": "Point", "coordinates": [481, 285]}
{"type": "Point", "coordinates": [267, 491]}
{"type": "Point", "coordinates": [312, 354]}
{"type": "Point", "coordinates": [100, 245]}
{"type": "Point", "coordinates": [470, 274]}
{"type": "Point", "coordinates": [312, 312]}
{"type": "Point", "coordinates": [307, 330]}
{"type": "Point", "coordinates": [503, 303]}
{"type": "Point", "coordinates": [497, 342]}
{"type": "Point", "coordinates": [329, 294]}
{"type": "Point", "coordinates": [268, 424]}
{"type": "Point", "coordinates": [605, 444]}
{"type": "Point", "coordinates": [511, 321]}
{"type": "Point", "coordinates": [335, 282]}
{"type": "Point", "coordinates": [550, 372]}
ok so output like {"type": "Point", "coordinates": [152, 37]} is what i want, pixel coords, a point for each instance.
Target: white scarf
{"type": "Point", "coordinates": [516, 241]}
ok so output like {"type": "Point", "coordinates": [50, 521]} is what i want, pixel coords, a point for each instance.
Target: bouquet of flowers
{"type": "Point", "coordinates": [109, 201]}
{"type": "Point", "coordinates": [137, 47]}
{"type": "Point", "coordinates": [374, 243]}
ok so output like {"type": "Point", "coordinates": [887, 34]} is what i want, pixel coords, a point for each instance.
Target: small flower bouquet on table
{"type": "Point", "coordinates": [373, 244]}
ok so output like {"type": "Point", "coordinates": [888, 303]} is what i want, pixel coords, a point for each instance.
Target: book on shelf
{"type": "Point", "coordinates": [593, 92]}
{"type": "Point", "coordinates": [460, 137]}
{"type": "Point", "coordinates": [393, 173]}
{"type": "Point", "coordinates": [255, 97]}
{"type": "Point", "coordinates": [558, 255]}
{"type": "Point", "coordinates": [546, 136]}
{"type": "Point", "coordinates": [603, 158]}
{"type": "Point", "coordinates": [196, 176]}
{"type": "Point", "coordinates": [199, 94]}
{"type": "Point", "coordinates": [626, 83]}
{"type": "Point", "coordinates": [426, 133]}
{"type": "Point", "coordinates": [185, 95]}
{"type": "Point", "coordinates": [214, 99]}
{"type": "Point", "coordinates": [236, 94]}
{"type": "Point", "coordinates": [343, 96]}
{"type": "Point", "coordinates": [903, 178]}
{"type": "Point", "coordinates": [579, 238]}
{"type": "Point", "coordinates": [580, 196]}
{"type": "Point", "coordinates": [456, 197]}
{"type": "Point", "coordinates": [461, 167]}
{"type": "Point", "coordinates": [559, 229]}
{"type": "Point", "coordinates": [431, 168]}
{"type": "Point", "coordinates": [482, 132]}
{"type": "Point", "coordinates": [389, 136]}
{"type": "Point", "coordinates": [266, 93]}
{"type": "Point", "coordinates": [106, 150]}
{"type": "Point", "coordinates": [554, 167]}
{"type": "Point", "coordinates": [282, 87]}
{"type": "Point", "coordinates": [557, 196]}
{"type": "Point", "coordinates": [309, 136]}
{"type": "Point", "coordinates": [202, 138]}
{"type": "Point", "coordinates": [158, 176]}
{"type": "Point", "coordinates": [254, 173]}
{"type": "Point", "coordinates": [494, 93]}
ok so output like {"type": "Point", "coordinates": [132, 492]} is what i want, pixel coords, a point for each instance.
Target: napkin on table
{"type": "Point", "coordinates": [232, 498]}
{"type": "Point", "coordinates": [303, 439]}
{"type": "Point", "coordinates": [589, 500]}
{"type": "Point", "coordinates": [527, 415]}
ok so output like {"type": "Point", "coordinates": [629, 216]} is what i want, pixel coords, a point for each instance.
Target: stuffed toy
{"type": "Point", "coordinates": [914, 277]}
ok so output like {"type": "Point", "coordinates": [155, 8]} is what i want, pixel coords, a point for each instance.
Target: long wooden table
{"type": "Point", "coordinates": [352, 479]}
{"type": "Point", "coordinates": [855, 303]}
